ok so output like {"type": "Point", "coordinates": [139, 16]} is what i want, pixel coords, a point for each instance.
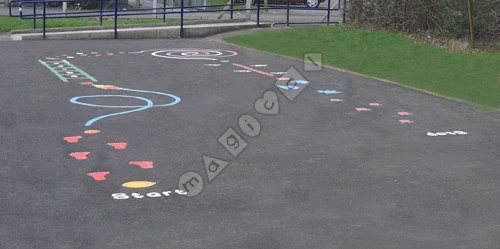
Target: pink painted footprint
{"type": "Point", "coordinates": [404, 113]}
{"type": "Point", "coordinates": [405, 121]}
{"type": "Point", "coordinates": [72, 139]}
{"type": "Point", "coordinates": [79, 155]}
{"type": "Point", "coordinates": [143, 164]}
{"type": "Point", "coordinates": [98, 176]}
{"type": "Point", "coordinates": [118, 146]}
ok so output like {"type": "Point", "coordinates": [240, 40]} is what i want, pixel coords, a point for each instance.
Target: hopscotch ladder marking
{"type": "Point", "coordinates": [65, 77]}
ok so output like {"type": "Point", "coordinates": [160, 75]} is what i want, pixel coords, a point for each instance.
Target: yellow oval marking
{"type": "Point", "coordinates": [91, 131]}
{"type": "Point", "coordinates": [138, 184]}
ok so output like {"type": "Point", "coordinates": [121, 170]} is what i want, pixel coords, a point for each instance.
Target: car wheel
{"type": "Point", "coordinates": [312, 3]}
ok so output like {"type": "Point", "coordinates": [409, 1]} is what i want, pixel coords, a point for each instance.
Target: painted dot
{"type": "Point", "coordinates": [336, 100]}
{"type": "Point", "coordinates": [70, 57]}
{"type": "Point", "coordinates": [375, 104]}
{"type": "Point", "coordinates": [79, 53]}
{"type": "Point", "coordinates": [92, 131]}
{"type": "Point", "coordinates": [138, 184]}
{"type": "Point", "coordinates": [93, 52]}
{"type": "Point", "coordinates": [109, 53]}
{"type": "Point", "coordinates": [69, 72]}
{"type": "Point", "coordinates": [74, 76]}
{"type": "Point", "coordinates": [56, 63]}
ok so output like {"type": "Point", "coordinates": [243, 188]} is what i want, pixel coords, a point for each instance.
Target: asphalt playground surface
{"type": "Point", "coordinates": [351, 162]}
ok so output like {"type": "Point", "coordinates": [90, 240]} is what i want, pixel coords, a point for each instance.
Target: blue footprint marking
{"type": "Point", "coordinates": [328, 92]}
{"type": "Point", "coordinates": [292, 85]}
{"type": "Point", "coordinates": [134, 108]}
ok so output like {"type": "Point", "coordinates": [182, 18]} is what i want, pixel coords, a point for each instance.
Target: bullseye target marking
{"type": "Point", "coordinates": [193, 54]}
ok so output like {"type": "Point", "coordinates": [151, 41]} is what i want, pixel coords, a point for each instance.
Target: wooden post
{"type": "Point", "coordinates": [471, 24]}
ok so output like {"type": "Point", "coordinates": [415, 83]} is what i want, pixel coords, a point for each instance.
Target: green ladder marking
{"type": "Point", "coordinates": [68, 64]}
{"type": "Point", "coordinates": [53, 71]}
{"type": "Point", "coordinates": [80, 71]}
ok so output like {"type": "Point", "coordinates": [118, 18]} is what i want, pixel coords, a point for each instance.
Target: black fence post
{"type": "Point", "coordinates": [288, 13]}
{"type": "Point", "coordinates": [343, 11]}
{"type": "Point", "coordinates": [232, 9]}
{"type": "Point", "coordinates": [34, 14]}
{"type": "Point", "coordinates": [258, 13]}
{"type": "Point", "coordinates": [164, 10]}
{"type": "Point", "coordinates": [328, 14]}
{"type": "Point", "coordinates": [182, 19]}
{"type": "Point", "coordinates": [44, 20]}
{"type": "Point", "coordinates": [100, 11]}
{"type": "Point", "coordinates": [10, 8]}
{"type": "Point", "coordinates": [116, 20]}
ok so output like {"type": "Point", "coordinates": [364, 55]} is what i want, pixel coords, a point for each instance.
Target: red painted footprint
{"type": "Point", "coordinates": [79, 155]}
{"type": "Point", "coordinates": [405, 121]}
{"type": "Point", "coordinates": [98, 176]}
{"type": "Point", "coordinates": [118, 146]}
{"type": "Point", "coordinates": [143, 164]}
{"type": "Point", "coordinates": [72, 139]}
{"type": "Point", "coordinates": [336, 100]}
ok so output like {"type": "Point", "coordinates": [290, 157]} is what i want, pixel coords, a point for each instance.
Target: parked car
{"type": "Point", "coordinates": [308, 3]}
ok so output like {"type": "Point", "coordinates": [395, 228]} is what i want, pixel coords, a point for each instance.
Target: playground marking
{"type": "Point", "coordinates": [328, 92]}
{"type": "Point", "coordinates": [80, 155]}
{"type": "Point", "coordinates": [191, 53]}
{"type": "Point", "coordinates": [142, 164]}
{"type": "Point", "coordinates": [362, 109]}
{"type": "Point", "coordinates": [253, 70]}
{"type": "Point", "coordinates": [72, 139]}
{"type": "Point", "coordinates": [336, 100]}
{"type": "Point", "coordinates": [134, 108]}
{"type": "Point", "coordinates": [63, 65]}
{"type": "Point", "coordinates": [118, 146]}
{"type": "Point", "coordinates": [98, 176]}
{"type": "Point", "coordinates": [453, 133]}
{"type": "Point", "coordinates": [138, 184]}
{"type": "Point", "coordinates": [406, 121]}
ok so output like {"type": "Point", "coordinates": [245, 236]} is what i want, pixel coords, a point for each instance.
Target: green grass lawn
{"type": "Point", "coordinates": [12, 23]}
{"type": "Point", "coordinates": [474, 77]}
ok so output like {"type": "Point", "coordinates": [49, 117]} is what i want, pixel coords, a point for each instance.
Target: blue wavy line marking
{"type": "Point", "coordinates": [148, 103]}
